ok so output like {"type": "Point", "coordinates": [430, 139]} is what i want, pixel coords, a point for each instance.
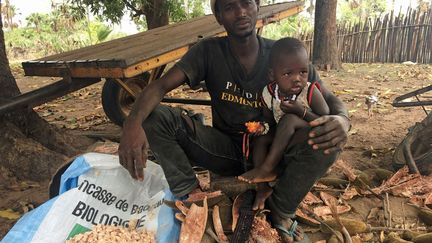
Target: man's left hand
{"type": "Point", "coordinates": [329, 133]}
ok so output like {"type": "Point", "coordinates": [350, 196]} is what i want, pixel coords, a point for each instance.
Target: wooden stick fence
{"type": "Point", "coordinates": [389, 39]}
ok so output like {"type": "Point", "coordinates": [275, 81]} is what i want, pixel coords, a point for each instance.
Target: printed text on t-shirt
{"type": "Point", "coordinates": [236, 94]}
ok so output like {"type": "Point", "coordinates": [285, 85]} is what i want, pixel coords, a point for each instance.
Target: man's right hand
{"type": "Point", "coordinates": [133, 149]}
{"type": "Point", "coordinates": [133, 143]}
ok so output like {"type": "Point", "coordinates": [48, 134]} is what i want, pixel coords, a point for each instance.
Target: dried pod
{"type": "Point", "coordinates": [428, 201]}
{"type": "Point", "coordinates": [425, 215]}
{"type": "Point", "coordinates": [325, 210]}
{"type": "Point", "coordinates": [334, 182]}
{"type": "Point", "coordinates": [180, 217]}
{"type": "Point", "coordinates": [424, 238]}
{"type": "Point", "coordinates": [212, 198]}
{"type": "Point", "coordinates": [235, 210]}
{"type": "Point", "coordinates": [305, 219]}
{"type": "Point", "coordinates": [356, 239]}
{"type": "Point", "coordinates": [310, 199]}
{"type": "Point", "coordinates": [365, 178]}
{"type": "Point", "coordinates": [409, 235]}
{"type": "Point", "coordinates": [335, 239]}
{"type": "Point", "coordinates": [327, 198]}
{"type": "Point", "coordinates": [379, 174]}
{"type": "Point", "coordinates": [393, 237]}
{"type": "Point", "coordinates": [353, 226]}
{"type": "Point", "coordinates": [180, 206]}
{"type": "Point", "coordinates": [218, 224]}
{"type": "Point", "coordinates": [193, 227]}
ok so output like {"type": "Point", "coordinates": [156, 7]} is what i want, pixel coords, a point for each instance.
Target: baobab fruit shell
{"type": "Point", "coordinates": [331, 181]}
{"type": "Point", "coordinates": [333, 239]}
{"type": "Point", "coordinates": [379, 174]}
{"type": "Point", "coordinates": [424, 238]}
{"type": "Point", "coordinates": [426, 216]}
{"type": "Point", "coordinates": [353, 226]}
{"type": "Point", "coordinates": [394, 238]}
{"type": "Point", "coordinates": [409, 235]}
{"type": "Point", "coordinates": [366, 178]}
{"type": "Point", "coordinates": [356, 239]}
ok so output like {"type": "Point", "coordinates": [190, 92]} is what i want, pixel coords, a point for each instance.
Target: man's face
{"type": "Point", "coordinates": [237, 16]}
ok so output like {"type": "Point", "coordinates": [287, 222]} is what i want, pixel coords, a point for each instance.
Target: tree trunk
{"type": "Point", "coordinates": [156, 13]}
{"type": "Point", "coordinates": [30, 148]}
{"type": "Point", "coordinates": [325, 51]}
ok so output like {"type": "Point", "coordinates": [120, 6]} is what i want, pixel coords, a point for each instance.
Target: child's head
{"type": "Point", "coordinates": [289, 65]}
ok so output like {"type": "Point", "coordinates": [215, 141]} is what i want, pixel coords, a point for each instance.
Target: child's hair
{"type": "Point", "coordinates": [285, 46]}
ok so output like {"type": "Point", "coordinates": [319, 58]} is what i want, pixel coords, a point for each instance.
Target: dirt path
{"type": "Point", "coordinates": [371, 143]}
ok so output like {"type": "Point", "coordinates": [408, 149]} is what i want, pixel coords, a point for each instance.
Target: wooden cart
{"type": "Point", "coordinates": [128, 64]}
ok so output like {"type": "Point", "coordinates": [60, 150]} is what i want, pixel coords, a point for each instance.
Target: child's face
{"type": "Point", "coordinates": [290, 72]}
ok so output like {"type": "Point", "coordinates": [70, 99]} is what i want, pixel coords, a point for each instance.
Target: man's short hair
{"type": "Point", "coordinates": [213, 6]}
{"type": "Point", "coordinates": [285, 46]}
{"type": "Point", "coordinates": [215, 9]}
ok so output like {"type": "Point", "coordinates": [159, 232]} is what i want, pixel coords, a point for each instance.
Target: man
{"type": "Point", "coordinates": [235, 71]}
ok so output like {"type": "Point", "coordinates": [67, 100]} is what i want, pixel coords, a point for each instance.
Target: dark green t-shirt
{"type": "Point", "coordinates": [235, 95]}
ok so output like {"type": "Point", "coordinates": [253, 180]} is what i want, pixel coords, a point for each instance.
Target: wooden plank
{"type": "Point", "coordinates": [374, 39]}
{"type": "Point", "coordinates": [140, 52]}
{"type": "Point", "coordinates": [389, 43]}
{"type": "Point", "coordinates": [399, 39]}
{"type": "Point", "coordinates": [427, 44]}
{"type": "Point", "coordinates": [389, 39]}
{"type": "Point", "coordinates": [152, 63]}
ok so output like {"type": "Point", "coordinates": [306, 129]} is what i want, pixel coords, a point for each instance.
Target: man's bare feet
{"type": "Point", "coordinates": [263, 192]}
{"type": "Point", "coordinates": [288, 229]}
{"type": "Point", "coordinates": [258, 175]}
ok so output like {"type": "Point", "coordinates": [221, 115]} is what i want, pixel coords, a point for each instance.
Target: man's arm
{"type": "Point", "coordinates": [133, 143]}
{"type": "Point", "coordinates": [330, 132]}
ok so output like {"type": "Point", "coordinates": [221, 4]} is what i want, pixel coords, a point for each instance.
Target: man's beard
{"type": "Point", "coordinates": [244, 35]}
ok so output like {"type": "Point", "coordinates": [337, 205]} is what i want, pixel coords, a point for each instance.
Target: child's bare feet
{"type": "Point", "coordinates": [258, 175]}
{"type": "Point", "coordinates": [263, 192]}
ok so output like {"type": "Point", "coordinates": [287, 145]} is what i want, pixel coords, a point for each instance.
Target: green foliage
{"type": "Point", "coordinates": [291, 26]}
{"type": "Point", "coordinates": [114, 10]}
{"type": "Point", "coordinates": [97, 32]}
{"type": "Point", "coordinates": [178, 10]}
{"type": "Point", "coordinates": [47, 34]}
{"type": "Point", "coordinates": [359, 10]}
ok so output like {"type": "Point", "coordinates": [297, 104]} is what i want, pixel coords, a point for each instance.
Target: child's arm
{"type": "Point", "coordinates": [263, 142]}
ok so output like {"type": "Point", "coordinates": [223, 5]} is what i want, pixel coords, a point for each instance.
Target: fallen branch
{"type": "Point", "coordinates": [335, 214]}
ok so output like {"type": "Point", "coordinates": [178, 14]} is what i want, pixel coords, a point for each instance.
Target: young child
{"type": "Point", "coordinates": [290, 101]}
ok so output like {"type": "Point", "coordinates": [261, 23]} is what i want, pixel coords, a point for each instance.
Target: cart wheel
{"type": "Point", "coordinates": [116, 102]}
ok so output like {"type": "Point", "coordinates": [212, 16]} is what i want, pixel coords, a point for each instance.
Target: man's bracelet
{"type": "Point", "coordinates": [348, 118]}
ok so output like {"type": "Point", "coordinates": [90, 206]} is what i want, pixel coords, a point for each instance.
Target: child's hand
{"type": "Point", "coordinates": [293, 107]}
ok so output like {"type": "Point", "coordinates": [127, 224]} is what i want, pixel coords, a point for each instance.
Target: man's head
{"type": "Point", "coordinates": [289, 65]}
{"type": "Point", "coordinates": [238, 17]}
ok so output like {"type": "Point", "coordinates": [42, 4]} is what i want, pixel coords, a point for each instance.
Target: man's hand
{"type": "Point", "coordinates": [329, 133]}
{"type": "Point", "coordinates": [133, 149]}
